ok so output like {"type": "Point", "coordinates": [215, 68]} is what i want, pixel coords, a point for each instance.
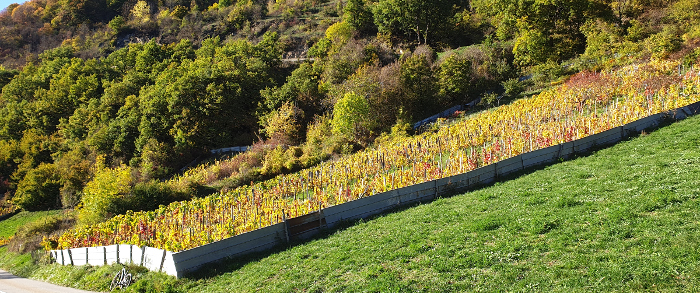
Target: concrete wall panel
{"type": "Point", "coordinates": [79, 256]}
{"type": "Point", "coordinates": [642, 124]}
{"type": "Point", "coordinates": [567, 150]}
{"type": "Point", "coordinates": [153, 258]}
{"type": "Point", "coordinates": [197, 258]}
{"type": "Point", "coordinates": [609, 137]}
{"type": "Point", "coordinates": [243, 242]}
{"type": "Point", "coordinates": [693, 109]}
{"type": "Point", "coordinates": [111, 254]}
{"type": "Point", "coordinates": [509, 166]}
{"type": "Point", "coordinates": [541, 156]}
{"type": "Point", "coordinates": [169, 265]}
{"type": "Point", "coordinates": [583, 144]}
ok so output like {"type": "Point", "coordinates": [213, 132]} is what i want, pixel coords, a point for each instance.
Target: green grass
{"type": "Point", "coordinates": [8, 227]}
{"type": "Point", "coordinates": [621, 219]}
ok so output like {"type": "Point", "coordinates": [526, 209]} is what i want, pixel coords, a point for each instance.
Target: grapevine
{"type": "Point", "coordinates": [589, 103]}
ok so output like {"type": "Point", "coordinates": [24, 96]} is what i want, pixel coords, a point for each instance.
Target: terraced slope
{"type": "Point", "coordinates": [622, 219]}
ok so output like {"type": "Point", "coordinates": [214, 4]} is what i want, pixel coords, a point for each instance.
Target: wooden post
{"type": "Point", "coordinates": [143, 254]}
{"type": "Point", "coordinates": [495, 171]}
{"type": "Point", "coordinates": [286, 226]}
{"type": "Point", "coordinates": [436, 189]}
{"type": "Point", "coordinates": [162, 261]}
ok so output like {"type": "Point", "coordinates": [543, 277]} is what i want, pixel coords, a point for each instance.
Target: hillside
{"type": "Point", "coordinates": [147, 87]}
{"type": "Point", "coordinates": [105, 104]}
{"type": "Point", "coordinates": [622, 218]}
{"type": "Point", "coordinates": [586, 104]}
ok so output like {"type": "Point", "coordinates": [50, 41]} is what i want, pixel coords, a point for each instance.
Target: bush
{"type": "Point", "coordinates": [512, 88]}
{"type": "Point", "coordinates": [274, 162]}
{"type": "Point", "coordinates": [154, 160]}
{"type": "Point", "coordinates": [117, 24]}
{"type": "Point", "coordinates": [147, 196]}
{"type": "Point", "coordinates": [546, 72]}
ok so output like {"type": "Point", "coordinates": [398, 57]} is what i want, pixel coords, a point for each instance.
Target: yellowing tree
{"type": "Point", "coordinates": [350, 114]}
{"type": "Point", "coordinates": [102, 193]}
{"type": "Point", "coordinates": [283, 123]}
{"type": "Point", "coordinates": [141, 12]}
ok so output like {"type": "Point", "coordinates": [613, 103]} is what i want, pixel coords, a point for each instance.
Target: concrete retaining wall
{"type": "Point", "coordinates": [152, 258]}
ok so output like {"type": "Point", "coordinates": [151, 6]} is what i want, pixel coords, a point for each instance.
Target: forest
{"type": "Point", "coordinates": [103, 101]}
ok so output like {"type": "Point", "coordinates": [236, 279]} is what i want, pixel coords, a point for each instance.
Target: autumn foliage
{"type": "Point", "coordinates": [589, 103]}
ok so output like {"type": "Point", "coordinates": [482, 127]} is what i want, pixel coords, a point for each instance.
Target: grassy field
{"type": "Point", "coordinates": [621, 219]}
{"type": "Point", "coordinates": [8, 227]}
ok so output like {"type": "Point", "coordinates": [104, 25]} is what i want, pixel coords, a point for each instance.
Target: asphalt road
{"type": "Point", "coordinates": [10, 283]}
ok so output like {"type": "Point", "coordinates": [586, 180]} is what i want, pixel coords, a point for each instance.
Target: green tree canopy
{"type": "Point", "coordinates": [418, 18]}
{"type": "Point", "coordinates": [350, 115]}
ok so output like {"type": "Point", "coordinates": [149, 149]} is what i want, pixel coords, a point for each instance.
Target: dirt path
{"type": "Point", "coordinates": [10, 283]}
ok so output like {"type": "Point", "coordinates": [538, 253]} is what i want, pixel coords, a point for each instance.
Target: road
{"type": "Point", "coordinates": [10, 283]}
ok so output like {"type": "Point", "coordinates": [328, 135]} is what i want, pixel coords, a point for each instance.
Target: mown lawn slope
{"type": "Point", "coordinates": [624, 219]}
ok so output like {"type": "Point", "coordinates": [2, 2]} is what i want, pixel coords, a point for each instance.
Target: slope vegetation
{"type": "Point", "coordinates": [623, 218]}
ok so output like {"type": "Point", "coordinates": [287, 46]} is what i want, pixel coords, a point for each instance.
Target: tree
{"type": "Point", "coordinates": [283, 124]}
{"type": "Point", "coordinates": [546, 30]}
{"type": "Point", "coordinates": [75, 84]}
{"type": "Point", "coordinates": [102, 192]}
{"type": "Point", "coordinates": [532, 45]}
{"type": "Point", "coordinates": [141, 12]}
{"type": "Point", "coordinates": [415, 17]}
{"type": "Point", "coordinates": [301, 89]}
{"type": "Point", "coordinates": [6, 76]}
{"type": "Point", "coordinates": [358, 15]}
{"type": "Point", "coordinates": [455, 78]}
{"type": "Point", "coordinates": [350, 116]}
{"type": "Point", "coordinates": [419, 87]}
{"type": "Point", "coordinates": [39, 189]}
{"type": "Point", "coordinates": [74, 168]}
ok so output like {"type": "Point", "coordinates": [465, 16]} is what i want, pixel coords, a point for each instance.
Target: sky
{"type": "Point", "coordinates": [5, 3]}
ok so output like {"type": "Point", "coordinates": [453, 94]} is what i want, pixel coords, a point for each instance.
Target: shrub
{"type": "Point", "coordinates": [548, 71]}
{"type": "Point", "coordinates": [146, 196]}
{"type": "Point", "coordinates": [283, 124]}
{"type": "Point", "coordinates": [154, 160]}
{"type": "Point", "coordinates": [117, 24]}
{"type": "Point", "coordinates": [274, 162]}
{"type": "Point", "coordinates": [512, 88]}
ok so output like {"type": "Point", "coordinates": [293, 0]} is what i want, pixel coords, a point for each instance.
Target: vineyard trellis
{"type": "Point", "coordinates": [588, 103]}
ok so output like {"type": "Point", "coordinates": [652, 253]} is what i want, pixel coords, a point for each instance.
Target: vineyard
{"type": "Point", "coordinates": [588, 103]}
